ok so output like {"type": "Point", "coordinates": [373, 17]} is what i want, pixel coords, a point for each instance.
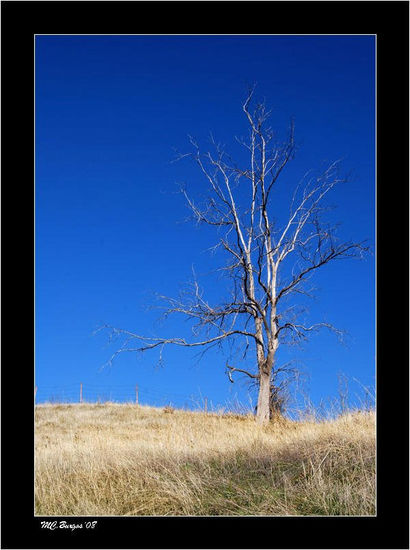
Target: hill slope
{"type": "Point", "coordinates": [118, 459]}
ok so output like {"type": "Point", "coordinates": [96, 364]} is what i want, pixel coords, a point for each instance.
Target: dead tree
{"type": "Point", "coordinates": [268, 263]}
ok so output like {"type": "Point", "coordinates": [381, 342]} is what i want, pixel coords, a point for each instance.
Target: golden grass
{"type": "Point", "coordinates": [119, 459]}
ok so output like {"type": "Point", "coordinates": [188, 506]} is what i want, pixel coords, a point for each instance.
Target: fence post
{"type": "Point", "coordinates": [136, 394]}
{"type": "Point", "coordinates": [81, 392]}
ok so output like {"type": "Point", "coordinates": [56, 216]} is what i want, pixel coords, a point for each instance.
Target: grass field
{"type": "Point", "coordinates": [119, 459]}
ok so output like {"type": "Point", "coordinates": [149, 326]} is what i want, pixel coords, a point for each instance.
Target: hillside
{"type": "Point", "coordinates": [119, 459]}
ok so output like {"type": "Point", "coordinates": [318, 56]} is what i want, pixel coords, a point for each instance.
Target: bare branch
{"type": "Point", "coordinates": [349, 250]}
{"type": "Point", "coordinates": [230, 370]}
{"type": "Point", "coordinates": [300, 331]}
{"type": "Point", "coordinates": [151, 342]}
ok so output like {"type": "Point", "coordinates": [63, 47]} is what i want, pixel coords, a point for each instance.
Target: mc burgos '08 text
{"type": "Point", "coordinates": [64, 525]}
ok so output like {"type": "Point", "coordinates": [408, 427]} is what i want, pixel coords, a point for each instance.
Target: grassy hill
{"type": "Point", "coordinates": [119, 459]}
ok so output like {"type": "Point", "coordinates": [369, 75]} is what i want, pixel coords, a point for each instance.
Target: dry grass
{"type": "Point", "coordinates": [114, 459]}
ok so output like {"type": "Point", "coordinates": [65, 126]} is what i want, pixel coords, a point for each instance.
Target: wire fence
{"type": "Point", "coordinates": [138, 394]}
{"type": "Point", "coordinates": [122, 393]}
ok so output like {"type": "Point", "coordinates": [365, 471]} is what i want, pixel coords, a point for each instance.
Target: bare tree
{"type": "Point", "coordinates": [268, 266]}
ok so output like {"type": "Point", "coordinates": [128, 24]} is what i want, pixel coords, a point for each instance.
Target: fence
{"type": "Point", "coordinates": [132, 393]}
{"type": "Point", "coordinates": [139, 394]}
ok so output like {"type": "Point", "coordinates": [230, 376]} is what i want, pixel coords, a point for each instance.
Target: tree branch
{"type": "Point", "coordinates": [230, 370]}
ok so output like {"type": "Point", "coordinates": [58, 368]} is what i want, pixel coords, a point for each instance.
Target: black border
{"type": "Point", "coordinates": [389, 21]}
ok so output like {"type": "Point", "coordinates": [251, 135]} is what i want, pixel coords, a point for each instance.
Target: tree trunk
{"type": "Point", "coordinates": [263, 408]}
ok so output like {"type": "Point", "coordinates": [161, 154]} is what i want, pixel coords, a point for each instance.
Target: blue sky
{"type": "Point", "coordinates": [110, 224]}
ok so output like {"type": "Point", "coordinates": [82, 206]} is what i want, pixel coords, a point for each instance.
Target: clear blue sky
{"type": "Point", "coordinates": [110, 228]}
